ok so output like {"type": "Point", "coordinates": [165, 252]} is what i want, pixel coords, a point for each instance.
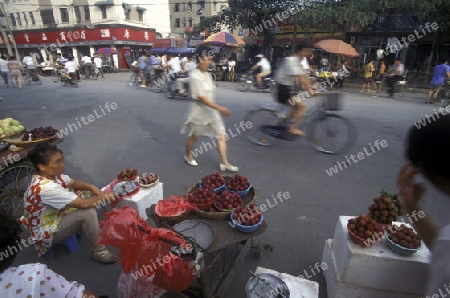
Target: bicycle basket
{"type": "Point", "coordinates": [332, 101]}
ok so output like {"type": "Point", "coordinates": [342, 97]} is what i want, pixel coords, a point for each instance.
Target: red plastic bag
{"type": "Point", "coordinates": [147, 249]}
{"type": "Point", "coordinates": [173, 206]}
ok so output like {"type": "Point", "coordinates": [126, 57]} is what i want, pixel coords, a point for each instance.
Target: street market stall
{"type": "Point", "coordinates": [15, 169]}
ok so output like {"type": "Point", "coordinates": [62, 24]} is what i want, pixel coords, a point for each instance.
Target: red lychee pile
{"type": "Point", "coordinates": [127, 175]}
{"type": "Point", "coordinates": [148, 178]}
{"type": "Point", "coordinates": [386, 208]}
{"type": "Point", "coordinates": [404, 236]}
{"type": "Point", "coordinates": [238, 183]}
{"type": "Point", "coordinates": [213, 181]}
{"type": "Point", "coordinates": [228, 200]}
{"type": "Point", "coordinates": [247, 215]}
{"type": "Point", "coordinates": [202, 195]}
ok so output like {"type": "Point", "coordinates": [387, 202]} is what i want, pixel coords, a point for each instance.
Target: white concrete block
{"type": "Point", "coordinates": [143, 199]}
{"type": "Point", "coordinates": [298, 287]}
{"type": "Point", "coordinates": [377, 266]}
{"type": "Point", "coordinates": [336, 288]}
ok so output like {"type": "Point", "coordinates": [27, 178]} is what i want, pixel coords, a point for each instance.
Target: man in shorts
{"type": "Point", "coordinates": [368, 73]}
{"type": "Point", "coordinates": [265, 67]}
{"type": "Point", "coordinates": [294, 68]}
{"type": "Point", "coordinates": [440, 72]}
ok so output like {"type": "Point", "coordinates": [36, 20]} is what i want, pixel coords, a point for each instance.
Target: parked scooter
{"type": "Point", "coordinates": [247, 81]}
{"type": "Point", "coordinates": [172, 87]}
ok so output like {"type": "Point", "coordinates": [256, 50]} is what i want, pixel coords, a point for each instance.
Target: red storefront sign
{"type": "Point", "coordinates": [63, 37]}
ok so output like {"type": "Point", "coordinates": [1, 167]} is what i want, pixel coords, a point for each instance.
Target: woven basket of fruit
{"type": "Point", "coordinates": [214, 213]}
{"type": "Point", "coordinates": [403, 240]}
{"type": "Point", "coordinates": [364, 231]}
{"type": "Point", "coordinates": [33, 137]}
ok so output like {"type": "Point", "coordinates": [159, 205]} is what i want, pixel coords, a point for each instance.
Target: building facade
{"type": "Point", "coordinates": [184, 15]}
{"type": "Point", "coordinates": [81, 27]}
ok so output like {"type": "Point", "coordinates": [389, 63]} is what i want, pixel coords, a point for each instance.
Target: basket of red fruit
{"type": "Point", "coordinates": [239, 184]}
{"type": "Point", "coordinates": [202, 197]}
{"type": "Point", "coordinates": [228, 201]}
{"type": "Point", "coordinates": [215, 181]}
{"type": "Point", "coordinates": [247, 219]}
{"type": "Point", "coordinates": [127, 175]}
{"type": "Point", "coordinates": [34, 136]}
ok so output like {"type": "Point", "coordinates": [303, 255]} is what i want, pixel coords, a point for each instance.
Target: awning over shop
{"type": "Point", "coordinates": [104, 3]}
{"type": "Point", "coordinates": [141, 8]}
{"type": "Point", "coordinates": [126, 6]}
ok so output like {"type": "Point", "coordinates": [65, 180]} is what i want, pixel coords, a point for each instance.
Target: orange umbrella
{"type": "Point", "coordinates": [337, 46]}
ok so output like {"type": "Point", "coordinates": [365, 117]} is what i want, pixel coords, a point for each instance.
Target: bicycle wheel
{"type": "Point", "coordinates": [258, 118]}
{"type": "Point", "coordinates": [56, 76]}
{"type": "Point", "coordinates": [331, 134]}
{"type": "Point", "coordinates": [14, 182]}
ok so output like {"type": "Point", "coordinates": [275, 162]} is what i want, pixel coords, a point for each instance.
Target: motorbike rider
{"type": "Point", "coordinates": [175, 71]}
{"type": "Point", "coordinates": [71, 68]}
{"type": "Point", "coordinates": [264, 65]}
{"type": "Point", "coordinates": [188, 65]}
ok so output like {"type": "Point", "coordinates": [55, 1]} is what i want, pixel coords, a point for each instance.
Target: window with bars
{"type": "Point", "coordinates": [78, 14]}
{"type": "Point", "coordinates": [141, 15]}
{"type": "Point", "coordinates": [103, 9]}
{"type": "Point", "coordinates": [64, 15]}
{"type": "Point", "coordinates": [177, 7]}
{"type": "Point", "coordinates": [33, 21]}
{"type": "Point", "coordinates": [13, 19]}
{"type": "Point", "coordinates": [19, 20]}
{"type": "Point", "coordinates": [184, 22]}
{"type": "Point", "coordinates": [47, 16]}
{"type": "Point", "coordinates": [201, 4]}
{"type": "Point", "coordinates": [87, 13]}
{"type": "Point", "coordinates": [190, 22]}
{"type": "Point", "coordinates": [25, 18]}
{"type": "Point", "coordinates": [177, 23]}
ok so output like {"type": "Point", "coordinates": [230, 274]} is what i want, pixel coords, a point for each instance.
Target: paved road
{"type": "Point", "coordinates": [143, 133]}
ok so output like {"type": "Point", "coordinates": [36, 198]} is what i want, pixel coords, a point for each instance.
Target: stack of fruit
{"type": "Point", "coordinates": [386, 208]}
{"type": "Point", "coordinates": [127, 175]}
{"type": "Point", "coordinates": [404, 236]}
{"type": "Point", "coordinates": [239, 184]}
{"type": "Point", "coordinates": [215, 181]}
{"type": "Point", "coordinates": [9, 127]}
{"type": "Point", "coordinates": [203, 197]}
{"type": "Point", "coordinates": [362, 228]}
{"type": "Point", "coordinates": [227, 201]}
{"type": "Point", "coordinates": [39, 133]}
{"type": "Point", "coordinates": [247, 218]}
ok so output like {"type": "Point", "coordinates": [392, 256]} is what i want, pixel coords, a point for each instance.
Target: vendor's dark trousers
{"type": "Point", "coordinates": [87, 70]}
{"type": "Point", "coordinates": [391, 84]}
{"type": "Point", "coordinates": [83, 221]}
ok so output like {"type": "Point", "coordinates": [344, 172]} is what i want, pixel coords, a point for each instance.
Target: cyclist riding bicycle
{"type": "Point", "coordinates": [264, 65]}
{"type": "Point", "coordinates": [293, 70]}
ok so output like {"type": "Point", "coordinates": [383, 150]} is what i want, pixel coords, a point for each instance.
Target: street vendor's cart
{"type": "Point", "coordinates": [223, 258]}
{"type": "Point", "coordinates": [15, 174]}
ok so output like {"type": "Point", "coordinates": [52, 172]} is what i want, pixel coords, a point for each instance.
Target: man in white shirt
{"type": "Point", "coordinates": [87, 64]}
{"type": "Point", "coordinates": [292, 69]}
{"type": "Point", "coordinates": [265, 67]}
{"type": "Point", "coordinates": [98, 64]}
{"type": "Point", "coordinates": [324, 62]}
{"type": "Point", "coordinates": [231, 66]}
{"type": "Point", "coordinates": [188, 66]}
{"type": "Point", "coordinates": [71, 68]}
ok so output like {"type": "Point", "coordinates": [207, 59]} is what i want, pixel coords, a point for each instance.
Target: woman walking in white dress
{"type": "Point", "coordinates": [204, 117]}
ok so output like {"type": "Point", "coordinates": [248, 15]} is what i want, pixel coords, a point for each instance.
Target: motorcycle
{"type": "Point", "coordinates": [245, 82]}
{"type": "Point", "coordinates": [71, 80]}
{"type": "Point", "coordinates": [172, 87]}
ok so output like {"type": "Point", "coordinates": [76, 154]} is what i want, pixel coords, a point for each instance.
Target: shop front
{"type": "Point", "coordinates": [46, 43]}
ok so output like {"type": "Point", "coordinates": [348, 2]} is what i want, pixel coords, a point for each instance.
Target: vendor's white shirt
{"type": "Point", "coordinates": [98, 62]}
{"type": "Point", "coordinates": [290, 68]}
{"type": "Point", "coordinates": [36, 280]}
{"type": "Point", "coordinates": [264, 64]}
{"type": "Point", "coordinates": [439, 277]}
{"type": "Point", "coordinates": [3, 65]}
{"type": "Point", "coordinates": [71, 66]}
{"type": "Point", "coordinates": [231, 64]}
{"type": "Point", "coordinates": [86, 59]}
